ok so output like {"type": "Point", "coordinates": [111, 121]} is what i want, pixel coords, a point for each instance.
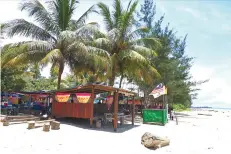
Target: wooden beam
{"type": "Point", "coordinates": [133, 109]}
{"type": "Point", "coordinates": [116, 94]}
{"type": "Point", "coordinates": [92, 105]}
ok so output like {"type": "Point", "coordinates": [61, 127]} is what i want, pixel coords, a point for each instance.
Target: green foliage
{"type": "Point", "coordinates": [180, 107]}
{"type": "Point", "coordinates": [126, 50]}
{"type": "Point", "coordinates": [12, 78]}
{"type": "Point", "coordinates": [59, 39]}
{"type": "Point", "coordinates": [172, 62]}
{"type": "Point", "coordinates": [142, 50]}
{"type": "Point", "coordinates": [39, 84]}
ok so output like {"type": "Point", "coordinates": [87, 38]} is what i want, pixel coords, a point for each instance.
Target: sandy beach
{"type": "Point", "coordinates": [194, 134]}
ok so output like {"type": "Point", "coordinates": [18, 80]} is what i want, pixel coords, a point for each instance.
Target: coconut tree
{"type": "Point", "coordinates": [128, 52]}
{"type": "Point", "coordinates": [56, 37]}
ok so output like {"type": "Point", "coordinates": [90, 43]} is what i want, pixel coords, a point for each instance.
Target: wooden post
{"type": "Point", "coordinates": [92, 105]}
{"type": "Point", "coordinates": [115, 118]}
{"type": "Point", "coordinates": [133, 109]}
{"type": "Point", "coordinates": [127, 103]}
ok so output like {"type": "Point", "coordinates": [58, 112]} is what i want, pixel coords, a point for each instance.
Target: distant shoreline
{"type": "Point", "coordinates": [210, 108]}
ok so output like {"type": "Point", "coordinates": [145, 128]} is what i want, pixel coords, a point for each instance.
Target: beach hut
{"type": "Point", "coordinates": [78, 102]}
{"type": "Point", "coordinates": [35, 101]}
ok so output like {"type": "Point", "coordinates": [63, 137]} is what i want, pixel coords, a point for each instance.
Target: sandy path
{"type": "Point", "coordinates": [194, 135]}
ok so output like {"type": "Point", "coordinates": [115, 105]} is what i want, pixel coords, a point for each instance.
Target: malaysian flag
{"type": "Point", "coordinates": [159, 90]}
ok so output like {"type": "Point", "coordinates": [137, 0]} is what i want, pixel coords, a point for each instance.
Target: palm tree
{"type": "Point", "coordinates": [56, 37]}
{"type": "Point", "coordinates": [127, 50]}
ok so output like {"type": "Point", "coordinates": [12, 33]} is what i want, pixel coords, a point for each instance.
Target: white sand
{"type": "Point", "coordinates": [195, 134]}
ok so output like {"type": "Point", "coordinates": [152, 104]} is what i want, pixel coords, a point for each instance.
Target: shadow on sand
{"type": "Point", "coordinates": [85, 124]}
{"type": "Point", "coordinates": [181, 114]}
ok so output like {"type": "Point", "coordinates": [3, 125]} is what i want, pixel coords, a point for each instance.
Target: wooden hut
{"type": "Point", "coordinates": [84, 105]}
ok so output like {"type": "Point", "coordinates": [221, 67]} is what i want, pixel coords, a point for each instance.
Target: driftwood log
{"type": "Point", "coordinates": [5, 123]}
{"type": "Point", "coordinates": [35, 124]}
{"type": "Point", "coordinates": [154, 142]}
{"type": "Point", "coordinates": [31, 125]}
{"type": "Point", "coordinates": [46, 127]}
{"type": "Point", "coordinates": [55, 125]}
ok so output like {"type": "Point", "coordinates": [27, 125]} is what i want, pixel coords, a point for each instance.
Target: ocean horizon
{"type": "Point", "coordinates": [221, 108]}
{"type": "Point", "coordinates": [210, 108]}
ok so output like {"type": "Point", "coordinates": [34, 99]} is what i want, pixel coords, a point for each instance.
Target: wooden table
{"type": "Point", "coordinates": [109, 117]}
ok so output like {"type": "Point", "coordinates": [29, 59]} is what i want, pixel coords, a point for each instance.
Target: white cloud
{"type": "Point", "coordinates": [216, 92]}
{"type": "Point", "coordinates": [226, 27]}
{"type": "Point", "coordinates": [195, 13]}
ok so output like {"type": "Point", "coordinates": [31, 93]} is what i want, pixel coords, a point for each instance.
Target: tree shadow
{"type": "Point", "coordinates": [181, 114]}
{"type": "Point", "coordinates": [85, 124]}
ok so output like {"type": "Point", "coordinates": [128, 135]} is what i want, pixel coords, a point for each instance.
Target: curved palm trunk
{"type": "Point", "coordinates": [112, 78]}
{"type": "Point", "coordinates": [61, 68]}
{"type": "Point", "coordinates": [121, 80]}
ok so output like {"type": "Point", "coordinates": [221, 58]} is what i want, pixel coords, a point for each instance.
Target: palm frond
{"type": "Point", "coordinates": [114, 35]}
{"type": "Point", "coordinates": [127, 19]}
{"type": "Point", "coordinates": [76, 50]}
{"type": "Point", "coordinates": [36, 10]}
{"type": "Point", "coordinates": [129, 4]}
{"type": "Point", "coordinates": [26, 52]}
{"type": "Point", "coordinates": [146, 52]}
{"type": "Point", "coordinates": [147, 41]}
{"type": "Point", "coordinates": [118, 9]}
{"type": "Point", "coordinates": [98, 52]}
{"type": "Point", "coordinates": [89, 31]}
{"type": "Point", "coordinates": [82, 20]}
{"type": "Point", "coordinates": [105, 12]}
{"type": "Point", "coordinates": [62, 12]}
{"type": "Point", "coordinates": [102, 43]}
{"type": "Point", "coordinates": [27, 29]}
{"type": "Point", "coordinates": [136, 33]}
{"type": "Point", "coordinates": [52, 56]}
{"type": "Point", "coordinates": [132, 56]}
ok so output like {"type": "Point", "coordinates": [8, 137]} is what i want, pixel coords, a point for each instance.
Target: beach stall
{"type": "Point", "coordinates": [35, 101]}
{"type": "Point", "coordinates": [157, 111]}
{"type": "Point", "coordinates": [9, 102]}
{"type": "Point", "coordinates": [79, 103]}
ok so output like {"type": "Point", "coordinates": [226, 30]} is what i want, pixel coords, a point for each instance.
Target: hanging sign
{"type": "Point", "coordinates": [62, 97]}
{"type": "Point", "coordinates": [83, 97]}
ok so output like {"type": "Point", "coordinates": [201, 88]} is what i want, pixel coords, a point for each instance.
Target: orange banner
{"type": "Point", "coordinates": [13, 100]}
{"type": "Point", "coordinates": [136, 102]}
{"type": "Point", "coordinates": [62, 97]}
{"type": "Point", "coordinates": [83, 97]}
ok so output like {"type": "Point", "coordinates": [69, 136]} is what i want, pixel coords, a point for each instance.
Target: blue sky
{"type": "Point", "coordinates": [208, 25]}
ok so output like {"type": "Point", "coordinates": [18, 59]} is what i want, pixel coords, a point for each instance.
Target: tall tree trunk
{"type": "Point", "coordinates": [61, 68]}
{"type": "Point", "coordinates": [112, 78]}
{"type": "Point", "coordinates": [121, 80]}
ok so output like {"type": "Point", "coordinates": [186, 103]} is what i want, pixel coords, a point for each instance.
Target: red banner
{"type": "Point", "coordinates": [62, 97]}
{"type": "Point", "coordinates": [109, 101]}
{"type": "Point", "coordinates": [83, 97]}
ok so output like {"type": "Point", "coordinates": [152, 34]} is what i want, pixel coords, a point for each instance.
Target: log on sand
{"type": "Point", "coordinates": [46, 127]}
{"type": "Point", "coordinates": [33, 124]}
{"type": "Point", "coordinates": [154, 142]}
{"type": "Point", "coordinates": [7, 122]}
{"type": "Point", "coordinates": [55, 125]}
{"type": "Point", "coordinates": [19, 117]}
